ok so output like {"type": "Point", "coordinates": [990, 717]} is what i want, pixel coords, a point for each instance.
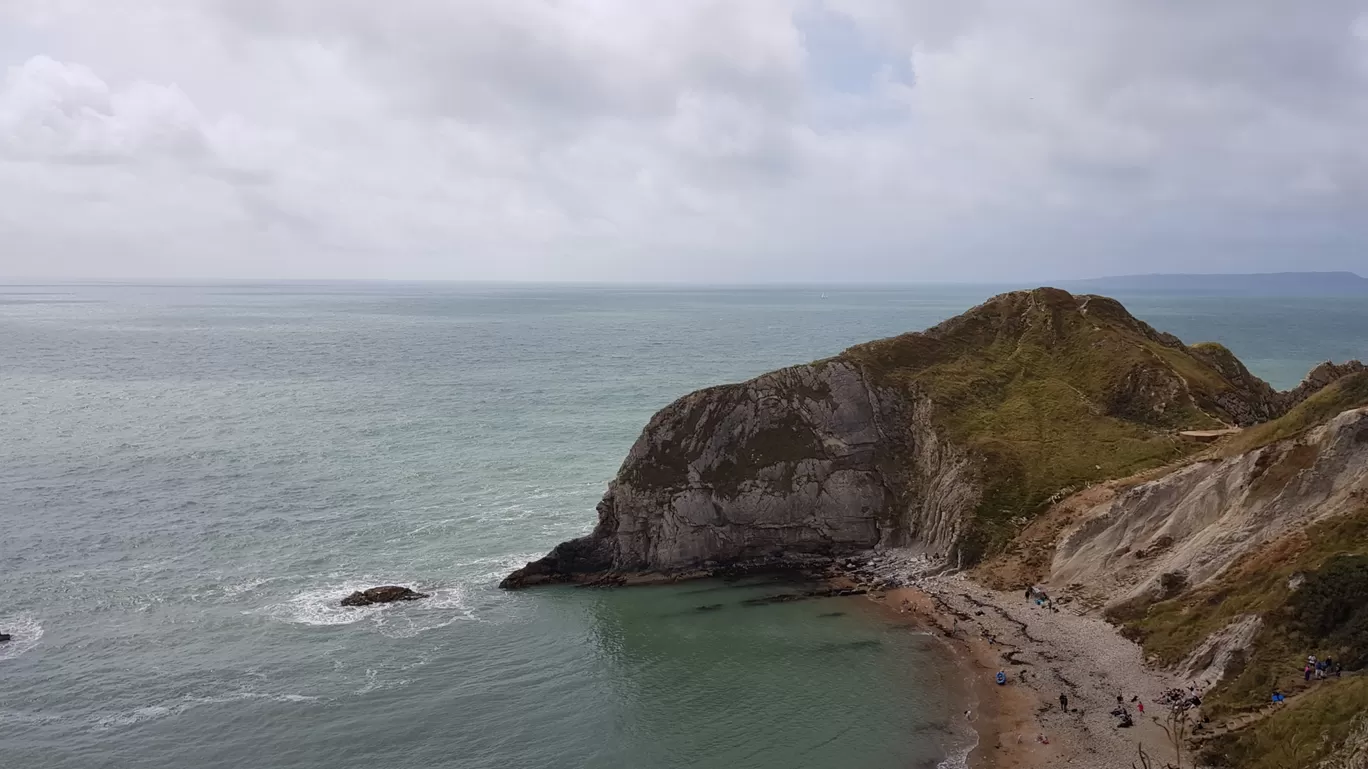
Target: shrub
{"type": "Point", "coordinates": [1331, 608]}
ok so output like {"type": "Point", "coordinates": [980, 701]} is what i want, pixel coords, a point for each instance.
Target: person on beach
{"type": "Point", "coordinates": [1140, 706]}
{"type": "Point", "coordinates": [1307, 671]}
{"type": "Point", "coordinates": [1064, 702]}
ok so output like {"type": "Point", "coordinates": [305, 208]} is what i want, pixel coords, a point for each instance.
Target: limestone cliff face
{"type": "Point", "coordinates": [812, 459]}
{"type": "Point", "coordinates": [1202, 518]}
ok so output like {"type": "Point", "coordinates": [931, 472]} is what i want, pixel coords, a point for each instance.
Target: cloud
{"type": "Point", "coordinates": [50, 111]}
{"type": "Point", "coordinates": [693, 140]}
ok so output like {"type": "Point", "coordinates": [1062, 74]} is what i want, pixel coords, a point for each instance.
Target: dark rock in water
{"type": "Point", "coordinates": [803, 596]}
{"type": "Point", "coordinates": [778, 598]}
{"type": "Point", "coordinates": [708, 607]}
{"type": "Point", "coordinates": [850, 645]}
{"type": "Point", "coordinates": [382, 594]}
{"type": "Point", "coordinates": [832, 614]}
{"type": "Point", "coordinates": [5, 637]}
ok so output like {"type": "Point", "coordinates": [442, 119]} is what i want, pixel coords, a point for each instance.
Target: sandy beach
{"type": "Point", "coordinates": [1043, 653]}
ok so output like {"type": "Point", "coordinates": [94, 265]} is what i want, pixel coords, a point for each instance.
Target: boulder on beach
{"type": "Point", "coordinates": [382, 594]}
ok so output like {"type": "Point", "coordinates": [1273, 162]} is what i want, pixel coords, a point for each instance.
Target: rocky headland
{"type": "Point", "coordinates": [1154, 488]}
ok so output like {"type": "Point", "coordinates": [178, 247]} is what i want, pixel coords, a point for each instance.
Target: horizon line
{"type": "Point", "coordinates": [182, 280]}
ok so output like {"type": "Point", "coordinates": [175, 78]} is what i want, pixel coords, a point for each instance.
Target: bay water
{"type": "Point", "coordinates": [192, 477]}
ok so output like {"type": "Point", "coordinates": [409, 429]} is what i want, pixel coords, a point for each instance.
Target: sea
{"type": "Point", "coordinates": [193, 475]}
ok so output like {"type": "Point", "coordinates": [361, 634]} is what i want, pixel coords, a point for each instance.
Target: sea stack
{"type": "Point", "coordinates": [382, 594]}
{"type": "Point", "coordinates": [944, 440]}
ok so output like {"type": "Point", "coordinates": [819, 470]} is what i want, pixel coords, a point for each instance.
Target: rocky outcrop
{"type": "Point", "coordinates": [1320, 377]}
{"type": "Point", "coordinates": [812, 459]}
{"type": "Point", "coordinates": [382, 594]}
{"type": "Point", "coordinates": [1353, 752]}
{"type": "Point", "coordinates": [1253, 400]}
{"type": "Point", "coordinates": [943, 441]}
{"type": "Point", "coordinates": [1220, 651]}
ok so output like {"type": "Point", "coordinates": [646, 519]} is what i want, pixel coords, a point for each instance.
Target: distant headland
{"type": "Point", "coordinates": [1247, 284]}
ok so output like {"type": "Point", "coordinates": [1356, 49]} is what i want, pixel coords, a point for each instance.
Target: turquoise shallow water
{"type": "Point", "coordinates": [194, 475]}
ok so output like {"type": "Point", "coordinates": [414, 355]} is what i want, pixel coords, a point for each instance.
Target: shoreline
{"type": "Point", "coordinates": [1043, 653]}
{"type": "Point", "coordinates": [994, 712]}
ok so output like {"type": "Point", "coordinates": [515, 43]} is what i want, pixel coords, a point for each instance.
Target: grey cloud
{"type": "Point", "coordinates": [65, 113]}
{"type": "Point", "coordinates": [532, 61]}
{"type": "Point", "coordinates": [699, 139]}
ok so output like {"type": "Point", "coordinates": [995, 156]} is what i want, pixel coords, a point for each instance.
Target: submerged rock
{"type": "Point", "coordinates": [382, 594]}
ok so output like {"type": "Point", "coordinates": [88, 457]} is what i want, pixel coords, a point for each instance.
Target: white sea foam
{"type": "Point", "coordinates": [181, 705]}
{"type": "Point", "coordinates": [959, 755]}
{"type": "Point", "coordinates": [495, 568]}
{"type": "Point", "coordinates": [238, 588]}
{"type": "Point", "coordinates": [444, 607]}
{"type": "Point", "coordinates": [323, 606]}
{"type": "Point", "coordinates": [966, 738]}
{"type": "Point", "coordinates": [138, 715]}
{"type": "Point", "coordinates": [25, 630]}
{"type": "Point", "coordinates": [374, 684]}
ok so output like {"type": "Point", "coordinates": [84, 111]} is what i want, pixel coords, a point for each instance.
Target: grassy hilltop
{"type": "Point", "coordinates": [1055, 391]}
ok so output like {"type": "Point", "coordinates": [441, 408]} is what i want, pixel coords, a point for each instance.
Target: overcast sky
{"type": "Point", "coordinates": [708, 140]}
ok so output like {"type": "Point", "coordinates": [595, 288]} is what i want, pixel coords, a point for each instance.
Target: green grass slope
{"type": "Point", "coordinates": [1054, 391]}
{"type": "Point", "coordinates": [1305, 732]}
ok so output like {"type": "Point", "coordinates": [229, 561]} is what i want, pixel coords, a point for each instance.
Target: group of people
{"type": "Point", "coordinates": [1040, 598]}
{"type": "Point", "coordinates": [1322, 669]}
{"type": "Point", "coordinates": [1123, 713]}
{"type": "Point", "coordinates": [1182, 700]}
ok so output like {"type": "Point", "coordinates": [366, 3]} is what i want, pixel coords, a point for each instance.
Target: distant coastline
{"type": "Point", "coordinates": [1212, 284]}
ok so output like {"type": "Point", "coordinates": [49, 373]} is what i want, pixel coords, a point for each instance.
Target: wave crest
{"type": "Point", "coordinates": [26, 631]}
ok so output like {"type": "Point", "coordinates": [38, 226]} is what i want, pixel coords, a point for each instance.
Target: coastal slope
{"type": "Point", "coordinates": [1229, 570]}
{"type": "Point", "coordinates": [945, 440]}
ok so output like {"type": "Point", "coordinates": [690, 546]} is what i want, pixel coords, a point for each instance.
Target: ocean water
{"type": "Point", "coordinates": [192, 476]}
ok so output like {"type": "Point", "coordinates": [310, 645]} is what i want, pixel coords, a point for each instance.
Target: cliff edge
{"type": "Point", "coordinates": [946, 440]}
